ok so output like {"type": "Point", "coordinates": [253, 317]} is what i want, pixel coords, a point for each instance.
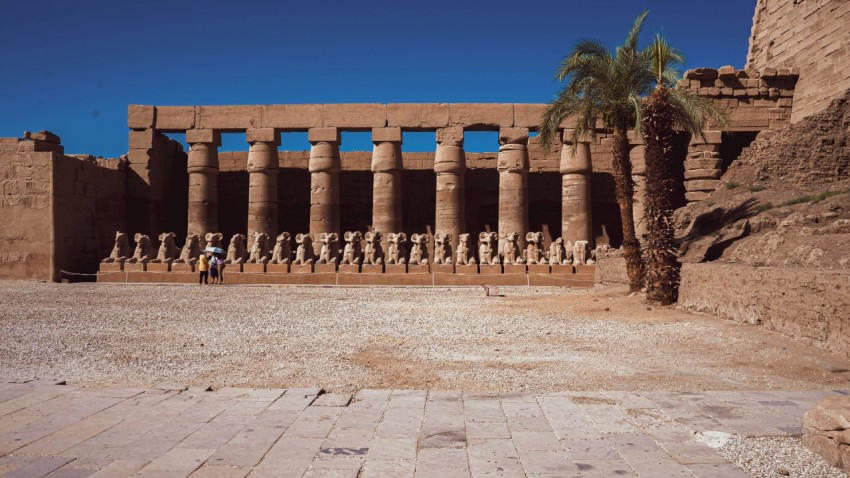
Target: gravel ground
{"type": "Point", "coordinates": [344, 339]}
{"type": "Point", "coordinates": [776, 457]}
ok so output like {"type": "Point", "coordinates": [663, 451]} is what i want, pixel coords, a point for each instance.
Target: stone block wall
{"type": "Point", "coordinates": [60, 212]}
{"type": "Point", "coordinates": [26, 210]}
{"type": "Point", "coordinates": [812, 36]}
{"type": "Point", "coordinates": [809, 305]}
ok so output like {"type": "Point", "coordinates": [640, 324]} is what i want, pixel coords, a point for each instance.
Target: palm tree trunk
{"type": "Point", "coordinates": [662, 268]}
{"type": "Point", "coordinates": [625, 191]}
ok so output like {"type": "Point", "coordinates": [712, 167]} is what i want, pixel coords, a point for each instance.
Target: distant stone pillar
{"type": "Point", "coordinates": [703, 166]}
{"type": "Point", "coordinates": [386, 182]}
{"type": "Point", "coordinates": [576, 166]}
{"type": "Point", "coordinates": [262, 190]}
{"type": "Point", "coordinates": [638, 159]}
{"type": "Point", "coordinates": [202, 166]}
{"type": "Point", "coordinates": [513, 184]}
{"type": "Point", "coordinates": [324, 169]}
{"type": "Point", "coordinates": [450, 167]}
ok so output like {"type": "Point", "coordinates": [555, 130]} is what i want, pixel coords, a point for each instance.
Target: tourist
{"type": "Point", "coordinates": [203, 268]}
{"type": "Point", "coordinates": [220, 269]}
{"type": "Point", "coordinates": [214, 268]}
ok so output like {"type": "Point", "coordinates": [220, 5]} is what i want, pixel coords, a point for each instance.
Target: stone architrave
{"type": "Point", "coordinates": [262, 190]}
{"type": "Point", "coordinates": [450, 167]}
{"type": "Point", "coordinates": [324, 169]}
{"type": "Point", "coordinates": [386, 181]}
{"type": "Point", "coordinates": [202, 166]}
{"type": "Point", "coordinates": [513, 184]}
{"type": "Point", "coordinates": [576, 166]}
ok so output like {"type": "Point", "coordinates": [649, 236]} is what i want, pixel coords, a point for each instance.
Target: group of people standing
{"type": "Point", "coordinates": [210, 265]}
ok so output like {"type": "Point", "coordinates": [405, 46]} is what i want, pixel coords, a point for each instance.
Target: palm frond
{"type": "Point", "coordinates": [691, 112]}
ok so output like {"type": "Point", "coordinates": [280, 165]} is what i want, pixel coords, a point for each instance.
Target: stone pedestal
{"type": "Point", "coordinates": [159, 267]}
{"type": "Point", "coordinates": [386, 181]}
{"type": "Point", "coordinates": [538, 268]}
{"type": "Point", "coordinates": [202, 166]}
{"type": "Point", "coordinates": [256, 268]}
{"type": "Point", "coordinates": [301, 269]}
{"type": "Point", "coordinates": [108, 267]}
{"type": "Point", "coordinates": [262, 190]}
{"type": "Point", "coordinates": [277, 268]}
{"type": "Point", "coordinates": [490, 269]}
{"type": "Point", "coordinates": [349, 269]}
{"type": "Point", "coordinates": [372, 269]}
{"type": "Point", "coordinates": [324, 169]}
{"type": "Point", "coordinates": [183, 267]}
{"type": "Point", "coordinates": [395, 268]}
{"type": "Point", "coordinates": [418, 269]}
{"type": "Point", "coordinates": [514, 268]}
{"type": "Point", "coordinates": [466, 269]}
{"type": "Point", "coordinates": [513, 184]}
{"type": "Point", "coordinates": [325, 268]}
{"type": "Point", "coordinates": [576, 166]}
{"type": "Point", "coordinates": [562, 269]}
{"type": "Point", "coordinates": [443, 268]}
{"type": "Point", "coordinates": [450, 167]}
{"type": "Point", "coordinates": [134, 267]}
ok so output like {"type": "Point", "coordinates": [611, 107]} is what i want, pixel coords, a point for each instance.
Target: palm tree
{"type": "Point", "coordinates": [666, 109]}
{"type": "Point", "coordinates": [608, 87]}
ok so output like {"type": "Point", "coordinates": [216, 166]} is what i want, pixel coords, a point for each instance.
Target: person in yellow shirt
{"type": "Point", "coordinates": [203, 268]}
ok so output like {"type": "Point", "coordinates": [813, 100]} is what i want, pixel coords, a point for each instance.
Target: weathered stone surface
{"type": "Point", "coordinates": [355, 115]}
{"type": "Point", "coordinates": [175, 118]}
{"type": "Point", "coordinates": [265, 135]}
{"type": "Point", "coordinates": [203, 136]}
{"type": "Point", "coordinates": [287, 117]}
{"type": "Point", "coordinates": [392, 134]}
{"type": "Point", "coordinates": [315, 135]}
{"type": "Point", "coordinates": [229, 117]}
{"type": "Point", "coordinates": [527, 115]}
{"type": "Point", "coordinates": [483, 115]}
{"type": "Point", "coordinates": [418, 116]}
{"type": "Point", "coordinates": [140, 116]}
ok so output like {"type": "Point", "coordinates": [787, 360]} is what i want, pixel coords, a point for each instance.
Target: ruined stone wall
{"type": "Point", "coordinates": [89, 206]}
{"type": "Point", "coordinates": [810, 305]}
{"type": "Point", "coordinates": [26, 210]}
{"type": "Point", "coordinates": [812, 36]}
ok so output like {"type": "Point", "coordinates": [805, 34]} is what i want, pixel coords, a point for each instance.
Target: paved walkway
{"type": "Point", "coordinates": [66, 431]}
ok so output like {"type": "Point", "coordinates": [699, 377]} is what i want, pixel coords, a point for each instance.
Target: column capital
{"type": "Point", "coordinates": [203, 136]}
{"type": "Point", "coordinates": [386, 135]}
{"type": "Point", "coordinates": [263, 135]}
{"type": "Point", "coordinates": [452, 136]}
{"type": "Point", "coordinates": [513, 136]}
{"type": "Point", "coordinates": [323, 135]}
{"type": "Point", "coordinates": [576, 160]}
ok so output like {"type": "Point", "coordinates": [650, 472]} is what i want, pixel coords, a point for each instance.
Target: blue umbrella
{"type": "Point", "coordinates": [216, 250]}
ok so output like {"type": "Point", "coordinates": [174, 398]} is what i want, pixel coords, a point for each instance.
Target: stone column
{"type": "Point", "coordinates": [202, 167]}
{"type": "Point", "coordinates": [576, 166]}
{"type": "Point", "coordinates": [703, 166]}
{"type": "Point", "coordinates": [638, 158]}
{"type": "Point", "coordinates": [386, 183]}
{"type": "Point", "coordinates": [513, 184]}
{"type": "Point", "coordinates": [450, 166]}
{"type": "Point", "coordinates": [262, 190]}
{"type": "Point", "coordinates": [324, 169]}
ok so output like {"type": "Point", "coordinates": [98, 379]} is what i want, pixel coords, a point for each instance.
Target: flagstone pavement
{"type": "Point", "coordinates": [49, 428]}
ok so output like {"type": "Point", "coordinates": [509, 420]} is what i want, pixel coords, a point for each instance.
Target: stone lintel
{"type": "Point", "coordinates": [140, 116]}
{"type": "Point", "coordinates": [418, 116]}
{"type": "Point", "coordinates": [262, 135]}
{"type": "Point", "coordinates": [381, 135]}
{"type": "Point", "coordinates": [203, 136]}
{"type": "Point", "coordinates": [355, 115]}
{"type": "Point", "coordinates": [317, 135]}
{"type": "Point", "coordinates": [175, 118]}
{"type": "Point", "coordinates": [711, 137]}
{"type": "Point", "coordinates": [474, 116]}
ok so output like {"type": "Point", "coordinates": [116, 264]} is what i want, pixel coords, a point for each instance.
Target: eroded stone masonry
{"type": "Point", "coordinates": [517, 213]}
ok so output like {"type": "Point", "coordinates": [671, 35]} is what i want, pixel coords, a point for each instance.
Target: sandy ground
{"type": "Point", "coordinates": [345, 339]}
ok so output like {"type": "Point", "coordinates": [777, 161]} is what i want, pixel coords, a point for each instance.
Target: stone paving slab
{"type": "Point", "coordinates": [49, 428]}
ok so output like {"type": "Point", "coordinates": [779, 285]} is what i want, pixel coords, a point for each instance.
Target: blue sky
{"type": "Point", "coordinates": [73, 67]}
